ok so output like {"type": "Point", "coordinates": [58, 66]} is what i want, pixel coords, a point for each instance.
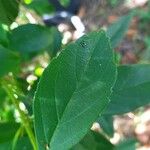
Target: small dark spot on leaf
{"type": "Point", "coordinates": [83, 44]}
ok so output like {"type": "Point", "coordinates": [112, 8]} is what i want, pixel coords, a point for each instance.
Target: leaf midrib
{"type": "Point", "coordinates": [86, 67]}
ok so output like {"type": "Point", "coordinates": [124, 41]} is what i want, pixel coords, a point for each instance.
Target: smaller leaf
{"type": "Point", "coordinates": [22, 144]}
{"type": "Point", "coordinates": [7, 131]}
{"type": "Point", "coordinates": [55, 44]}
{"type": "Point", "coordinates": [8, 11]}
{"type": "Point", "coordinates": [5, 146]}
{"type": "Point", "coordinates": [132, 89]}
{"type": "Point", "coordinates": [30, 38]}
{"type": "Point", "coordinates": [65, 2]}
{"type": "Point", "coordinates": [3, 36]}
{"type": "Point", "coordinates": [118, 29]}
{"type": "Point", "coordinates": [2, 96]}
{"type": "Point", "coordinates": [93, 141]}
{"type": "Point", "coordinates": [106, 123]}
{"type": "Point", "coordinates": [41, 7]}
{"type": "Point", "coordinates": [126, 145]}
{"type": "Point", "coordinates": [9, 61]}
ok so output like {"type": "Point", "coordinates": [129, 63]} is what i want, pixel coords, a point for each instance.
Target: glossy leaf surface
{"type": "Point", "coordinates": [74, 89]}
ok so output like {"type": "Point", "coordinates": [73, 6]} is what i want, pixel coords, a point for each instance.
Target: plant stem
{"type": "Point", "coordinates": [16, 137]}
{"type": "Point", "coordinates": [24, 118]}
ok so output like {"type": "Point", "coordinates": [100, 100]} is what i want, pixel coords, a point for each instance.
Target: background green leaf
{"type": "Point", "coordinates": [31, 38]}
{"type": "Point", "coordinates": [118, 29]}
{"type": "Point", "coordinates": [126, 145]}
{"type": "Point", "coordinates": [93, 141]}
{"type": "Point", "coordinates": [106, 123]}
{"type": "Point", "coordinates": [132, 89]}
{"type": "Point", "coordinates": [3, 36]}
{"type": "Point", "coordinates": [6, 146]}
{"type": "Point", "coordinates": [55, 44]}
{"type": "Point", "coordinates": [7, 131]}
{"type": "Point", "coordinates": [8, 11]}
{"type": "Point", "coordinates": [23, 143]}
{"type": "Point", "coordinates": [9, 61]}
{"type": "Point", "coordinates": [41, 7]}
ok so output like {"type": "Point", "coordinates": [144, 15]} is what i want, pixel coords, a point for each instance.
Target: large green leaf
{"type": "Point", "coordinates": [30, 38]}
{"type": "Point", "coordinates": [9, 61]}
{"type": "Point", "coordinates": [8, 10]}
{"type": "Point", "coordinates": [7, 131]}
{"type": "Point", "coordinates": [118, 29]}
{"type": "Point", "coordinates": [132, 89]}
{"type": "Point", "coordinates": [93, 141]}
{"type": "Point", "coordinates": [74, 89]}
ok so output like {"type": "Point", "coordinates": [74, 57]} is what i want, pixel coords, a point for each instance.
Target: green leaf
{"type": "Point", "coordinates": [30, 38]}
{"type": "Point", "coordinates": [22, 144]}
{"type": "Point", "coordinates": [145, 55]}
{"type": "Point", "coordinates": [41, 7]}
{"type": "Point", "coordinates": [7, 131]}
{"type": "Point", "coordinates": [55, 44]}
{"type": "Point", "coordinates": [74, 89]}
{"type": "Point", "coordinates": [93, 141]}
{"type": "Point", "coordinates": [3, 36]}
{"type": "Point", "coordinates": [9, 61]}
{"type": "Point", "coordinates": [2, 96]}
{"type": "Point", "coordinates": [126, 145]}
{"type": "Point", "coordinates": [8, 11]}
{"type": "Point", "coordinates": [132, 89]}
{"type": "Point", "coordinates": [65, 2]}
{"type": "Point", "coordinates": [118, 29]}
{"type": "Point", "coordinates": [5, 146]}
{"type": "Point", "coordinates": [106, 123]}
